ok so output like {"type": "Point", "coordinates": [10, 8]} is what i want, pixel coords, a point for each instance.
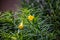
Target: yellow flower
{"type": "Point", "coordinates": [21, 25]}
{"type": "Point", "coordinates": [30, 17]}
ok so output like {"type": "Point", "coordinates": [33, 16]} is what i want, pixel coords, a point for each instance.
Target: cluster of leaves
{"type": "Point", "coordinates": [45, 25]}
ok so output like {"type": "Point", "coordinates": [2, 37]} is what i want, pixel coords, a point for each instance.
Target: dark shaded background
{"type": "Point", "coordinates": [9, 5]}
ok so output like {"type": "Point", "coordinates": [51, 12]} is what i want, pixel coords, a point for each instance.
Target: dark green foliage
{"type": "Point", "coordinates": [45, 26]}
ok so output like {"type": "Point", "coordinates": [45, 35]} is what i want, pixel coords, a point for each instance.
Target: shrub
{"type": "Point", "coordinates": [37, 20]}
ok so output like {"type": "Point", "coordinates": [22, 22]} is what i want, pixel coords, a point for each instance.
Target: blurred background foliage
{"type": "Point", "coordinates": [45, 26]}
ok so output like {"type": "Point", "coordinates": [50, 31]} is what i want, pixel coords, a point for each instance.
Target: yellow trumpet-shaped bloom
{"type": "Point", "coordinates": [30, 17]}
{"type": "Point", "coordinates": [21, 26]}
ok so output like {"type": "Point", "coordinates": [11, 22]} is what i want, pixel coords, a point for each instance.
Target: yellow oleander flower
{"type": "Point", "coordinates": [21, 26]}
{"type": "Point", "coordinates": [30, 17]}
